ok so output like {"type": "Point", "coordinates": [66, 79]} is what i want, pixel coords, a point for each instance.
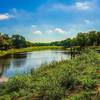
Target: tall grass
{"type": "Point", "coordinates": [74, 79]}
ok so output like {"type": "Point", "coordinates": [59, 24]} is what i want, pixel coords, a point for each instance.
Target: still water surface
{"type": "Point", "coordinates": [24, 62]}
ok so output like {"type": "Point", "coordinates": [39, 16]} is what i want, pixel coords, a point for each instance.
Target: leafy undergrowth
{"type": "Point", "coordinates": [74, 79]}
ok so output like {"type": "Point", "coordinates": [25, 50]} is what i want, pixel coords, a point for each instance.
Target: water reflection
{"type": "Point", "coordinates": [20, 55]}
{"type": "Point", "coordinates": [19, 59]}
{"type": "Point", "coordinates": [23, 62]}
{"type": "Point", "coordinates": [4, 65]}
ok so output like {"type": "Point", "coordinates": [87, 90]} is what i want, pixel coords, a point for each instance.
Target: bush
{"type": "Point", "coordinates": [19, 82]}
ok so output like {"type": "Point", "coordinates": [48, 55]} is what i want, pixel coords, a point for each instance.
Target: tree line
{"type": "Point", "coordinates": [82, 39]}
{"type": "Point", "coordinates": [15, 41]}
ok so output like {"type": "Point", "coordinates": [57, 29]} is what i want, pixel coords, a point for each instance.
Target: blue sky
{"type": "Point", "coordinates": [49, 20]}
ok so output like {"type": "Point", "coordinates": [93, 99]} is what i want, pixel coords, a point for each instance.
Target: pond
{"type": "Point", "coordinates": [23, 62]}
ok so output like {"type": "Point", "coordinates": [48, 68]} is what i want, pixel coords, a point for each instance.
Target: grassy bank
{"type": "Point", "coordinates": [75, 79]}
{"type": "Point", "coordinates": [37, 48]}
{"type": "Point", "coordinates": [29, 49]}
{"type": "Point", "coordinates": [97, 48]}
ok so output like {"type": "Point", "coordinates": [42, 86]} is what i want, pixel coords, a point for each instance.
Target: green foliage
{"type": "Point", "coordinates": [16, 41]}
{"type": "Point", "coordinates": [5, 41]}
{"type": "Point", "coordinates": [91, 38]}
{"type": "Point", "coordinates": [5, 97]}
{"type": "Point", "coordinates": [83, 95]}
{"type": "Point", "coordinates": [73, 79]}
{"type": "Point", "coordinates": [19, 82]}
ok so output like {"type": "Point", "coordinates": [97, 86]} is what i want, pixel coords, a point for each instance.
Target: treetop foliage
{"type": "Point", "coordinates": [15, 41]}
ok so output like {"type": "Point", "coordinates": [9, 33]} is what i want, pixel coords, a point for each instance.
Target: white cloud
{"type": "Point", "coordinates": [5, 16]}
{"type": "Point", "coordinates": [59, 30]}
{"type": "Point", "coordinates": [87, 21]}
{"type": "Point", "coordinates": [37, 32]}
{"type": "Point", "coordinates": [49, 31]}
{"type": "Point", "coordinates": [34, 26]}
{"type": "Point", "coordinates": [56, 30]}
{"type": "Point", "coordinates": [83, 5]}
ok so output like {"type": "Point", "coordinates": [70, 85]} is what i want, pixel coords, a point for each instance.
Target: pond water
{"type": "Point", "coordinates": [23, 62]}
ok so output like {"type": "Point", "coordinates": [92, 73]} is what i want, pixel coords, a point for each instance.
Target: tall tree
{"type": "Point", "coordinates": [18, 41]}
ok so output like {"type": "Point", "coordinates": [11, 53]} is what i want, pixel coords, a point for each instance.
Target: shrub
{"type": "Point", "coordinates": [19, 82]}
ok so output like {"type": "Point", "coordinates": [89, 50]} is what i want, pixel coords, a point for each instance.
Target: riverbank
{"type": "Point", "coordinates": [73, 79]}
{"type": "Point", "coordinates": [29, 49]}
{"type": "Point", "coordinates": [37, 48]}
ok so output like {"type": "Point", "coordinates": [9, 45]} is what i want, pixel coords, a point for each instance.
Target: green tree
{"type": "Point", "coordinates": [5, 41]}
{"type": "Point", "coordinates": [18, 41]}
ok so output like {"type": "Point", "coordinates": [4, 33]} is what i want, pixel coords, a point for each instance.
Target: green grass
{"type": "Point", "coordinates": [95, 47]}
{"type": "Point", "coordinates": [29, 49]}
{"type": "Point", "coordinates": [74, 79]}
{"type": "Point", "coordinates": [99, 56]}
